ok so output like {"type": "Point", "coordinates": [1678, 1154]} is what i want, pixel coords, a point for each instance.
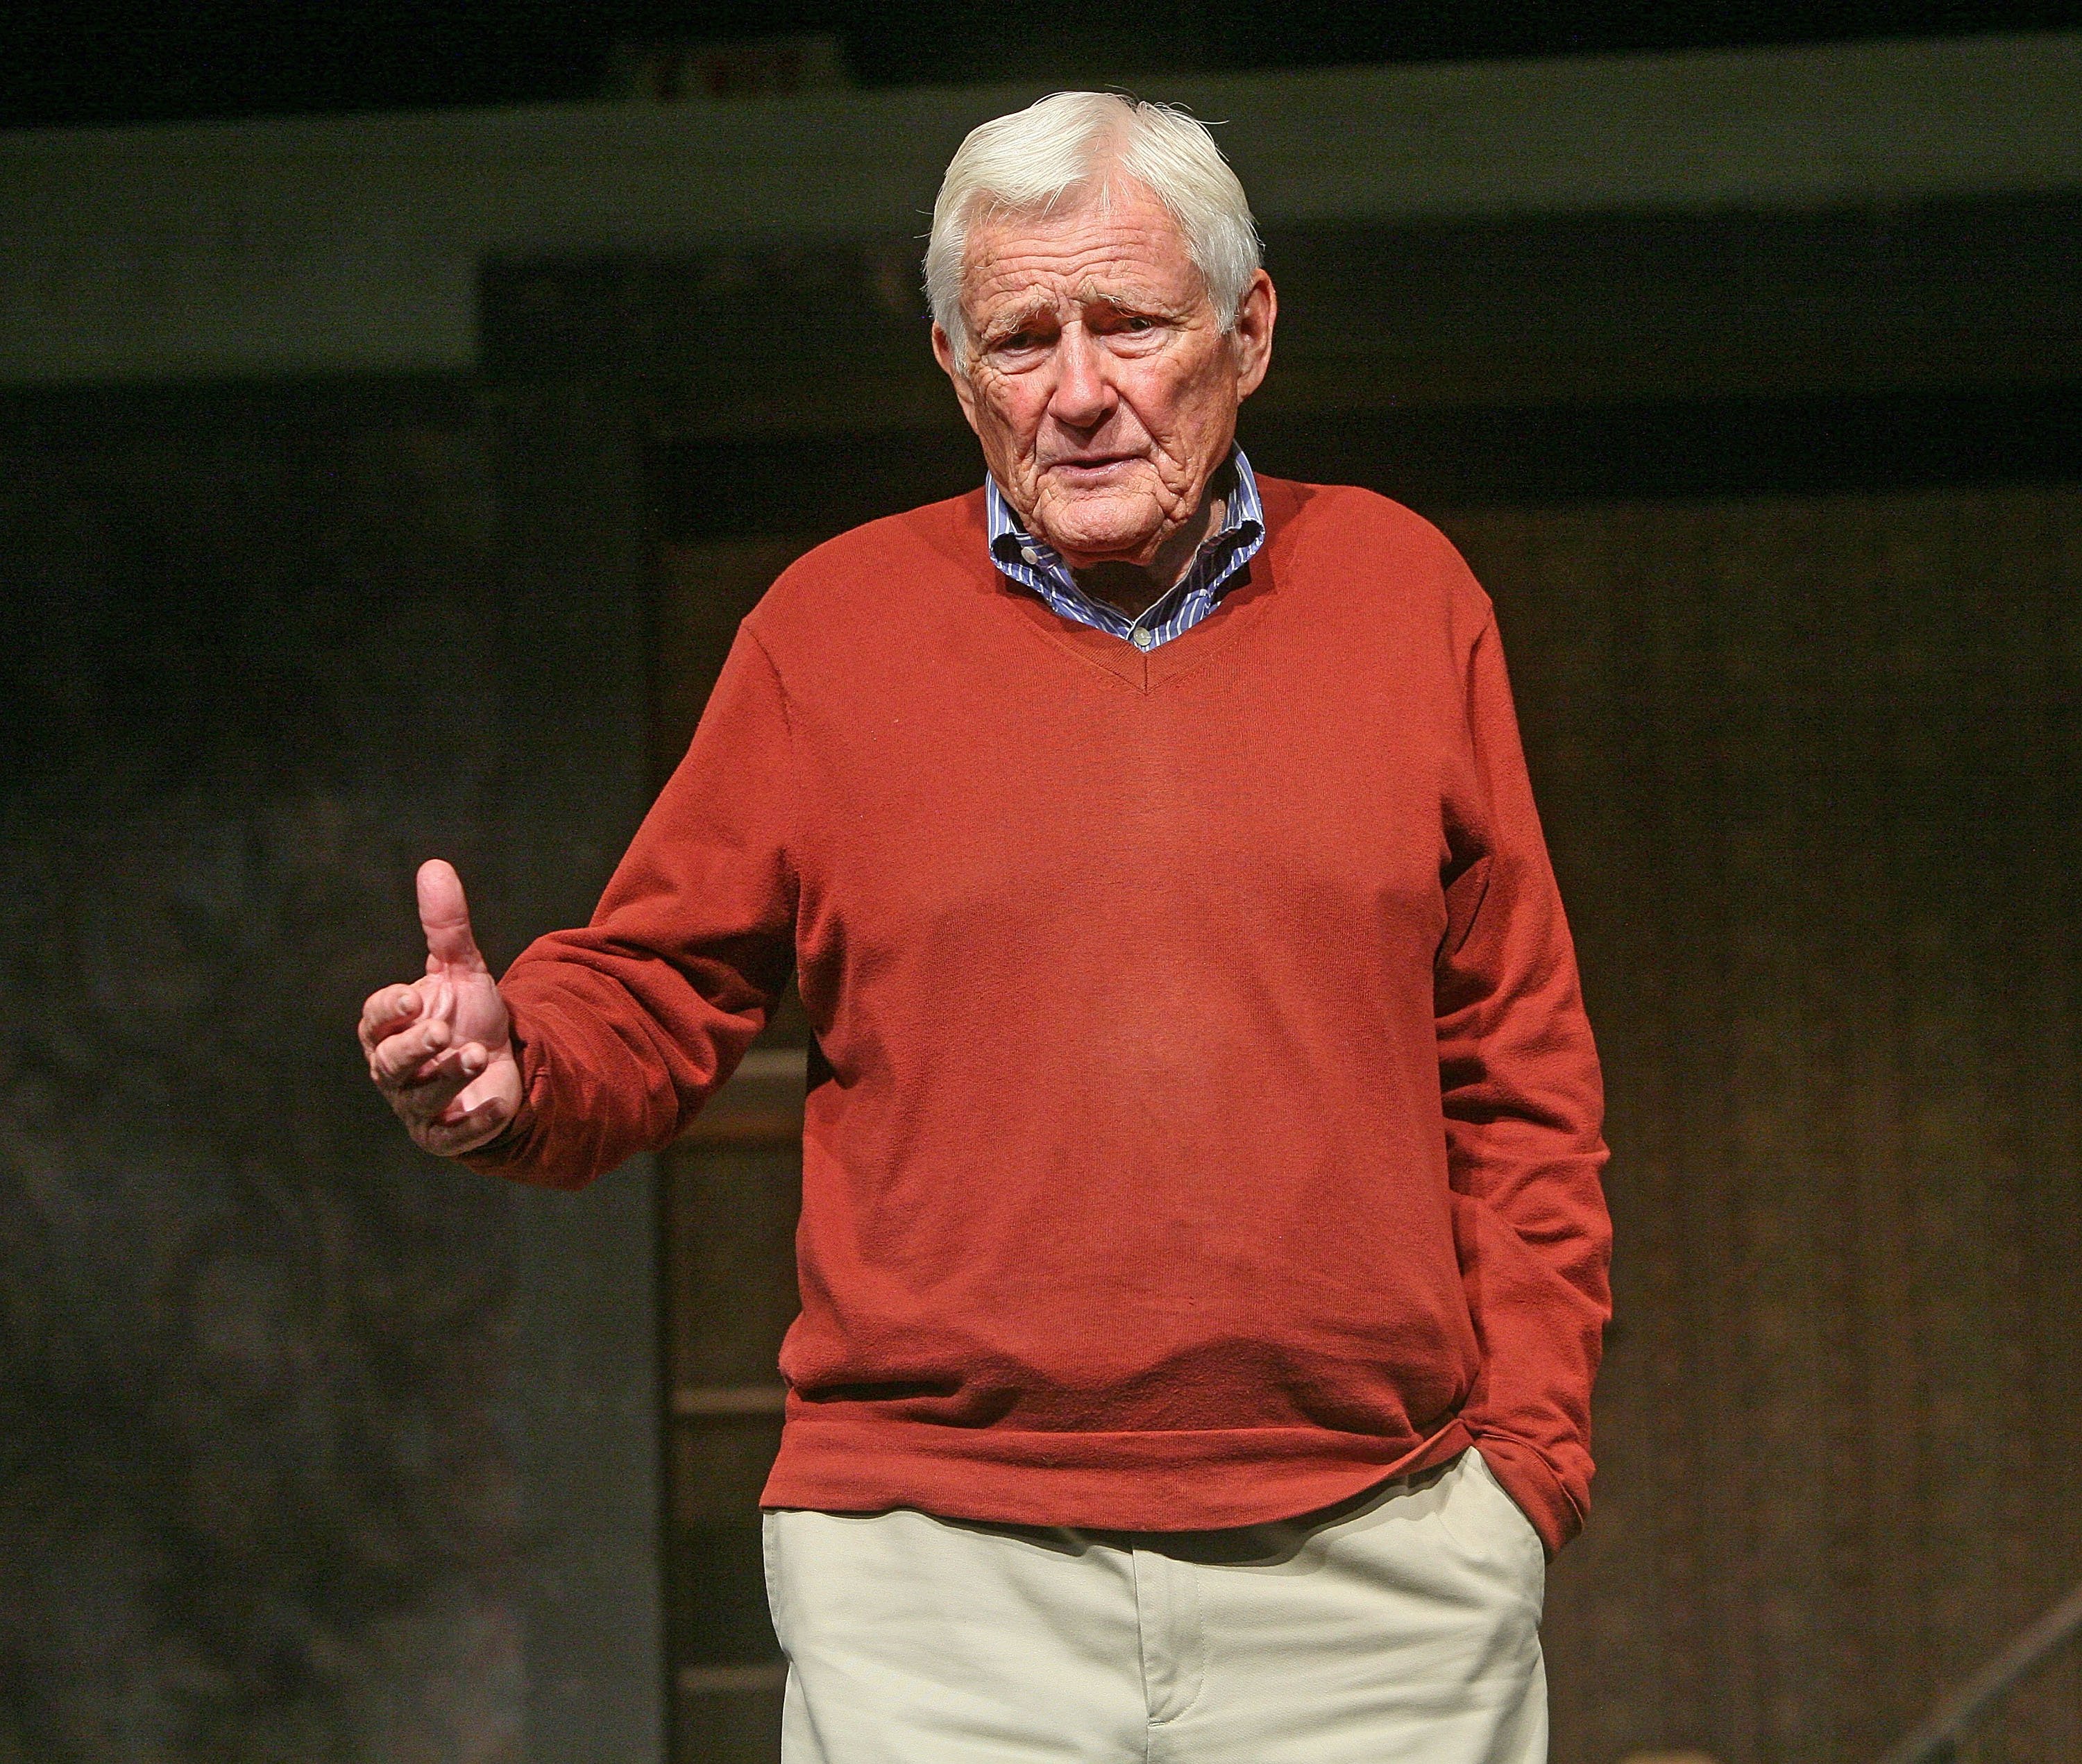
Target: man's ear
{"type": "Point", "coordinates": [1251, 335]}
{"type": "Point", "coordinates": [944, 352]}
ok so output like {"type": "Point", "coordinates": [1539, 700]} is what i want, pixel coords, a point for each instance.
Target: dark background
{"type": "Point", "coordinates": [71, 64]}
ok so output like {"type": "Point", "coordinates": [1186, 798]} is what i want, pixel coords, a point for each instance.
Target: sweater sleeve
{"type": "Point", "coordinates": [1523, 1108]}
{"type": "Point", "coordinates": [625, 1028]}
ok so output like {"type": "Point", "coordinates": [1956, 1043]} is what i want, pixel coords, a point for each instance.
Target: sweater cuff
{"type": "Point", "coordinates": [516, 1150]}
{"type": "Point", "coordinates": [498, 1156]}
{"type": "Point", "coordinates": [1529, 1480]}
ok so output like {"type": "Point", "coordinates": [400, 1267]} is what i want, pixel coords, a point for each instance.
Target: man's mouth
{"type": "Point", "coordinates": [1092, 465]}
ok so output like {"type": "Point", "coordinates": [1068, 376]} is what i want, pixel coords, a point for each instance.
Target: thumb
{"type": "Point", "coordinates": [444, 916]}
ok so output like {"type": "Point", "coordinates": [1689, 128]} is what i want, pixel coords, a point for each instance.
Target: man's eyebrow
{"type": "Point", "coordinates": [1017, 319]}
{"type": "Point", "coordinates": [1127, 300]}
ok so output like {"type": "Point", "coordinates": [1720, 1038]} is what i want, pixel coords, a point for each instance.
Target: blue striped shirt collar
{"type": "Point", "coordinates": [1222, 555]}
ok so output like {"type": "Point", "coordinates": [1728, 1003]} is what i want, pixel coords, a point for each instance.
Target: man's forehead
{"type": "Point", "coordinates": [1126, 286]}
{"type": "Point", "coordinates": [1126, 251]}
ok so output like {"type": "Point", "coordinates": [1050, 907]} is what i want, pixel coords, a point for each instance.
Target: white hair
{"type": "Point", "coordinates": [1028, 162]}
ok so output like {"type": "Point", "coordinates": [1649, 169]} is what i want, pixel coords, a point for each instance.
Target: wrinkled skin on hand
{"type": "Point", "coordinates": [439, 1048]}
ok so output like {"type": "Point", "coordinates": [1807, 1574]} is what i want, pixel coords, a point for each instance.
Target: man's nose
{"type": "Point", "coordinates": [1083, 394]}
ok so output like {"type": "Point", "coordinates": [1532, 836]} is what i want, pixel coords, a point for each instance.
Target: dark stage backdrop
{"type": "Point", "coordinates": [1811, 769]}
{"type": "Point", "coordinates": [256, 1500]}
{"type": "Point", "coordinates": [282, 1400]}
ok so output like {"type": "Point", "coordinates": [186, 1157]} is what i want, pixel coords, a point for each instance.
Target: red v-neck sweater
{"type": "Point", "coordinates": [1204, 1123]}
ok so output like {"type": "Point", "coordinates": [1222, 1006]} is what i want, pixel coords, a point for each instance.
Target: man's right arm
{"type": "Point", "coordinates": [621, 1029]}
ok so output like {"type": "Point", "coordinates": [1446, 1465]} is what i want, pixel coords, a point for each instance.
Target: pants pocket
{"type": "Point", "coordinates": [769, 1553]}
{"type": "Point", "coordinates": [1486, 1522]}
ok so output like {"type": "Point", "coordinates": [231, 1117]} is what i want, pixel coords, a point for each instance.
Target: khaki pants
{"type": "Point", "coordinates": [1403, 1626]}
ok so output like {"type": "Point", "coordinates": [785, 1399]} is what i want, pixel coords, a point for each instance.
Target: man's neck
{"type": "Point", "coordinates": [1133, 588]}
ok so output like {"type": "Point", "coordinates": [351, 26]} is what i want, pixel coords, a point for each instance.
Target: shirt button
{"type": "Point", "coordinates": [1030, 554]}
{"type": "Point", "coordinates": [1143, 636]}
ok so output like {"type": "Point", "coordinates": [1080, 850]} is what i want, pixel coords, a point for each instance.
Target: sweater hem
{"type": "Point", "coordinates": [1196, 1479]}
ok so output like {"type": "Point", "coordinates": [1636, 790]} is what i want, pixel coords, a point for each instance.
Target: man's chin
{"type": "Point", "coordinates": [1089, 528]}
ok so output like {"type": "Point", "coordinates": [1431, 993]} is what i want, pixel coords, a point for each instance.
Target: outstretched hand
{"type": "Point", "coordinates": [440, 1049]}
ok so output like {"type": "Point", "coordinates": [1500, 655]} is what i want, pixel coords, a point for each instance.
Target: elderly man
{"type": "Point", "coordinates": [1203, 1260]}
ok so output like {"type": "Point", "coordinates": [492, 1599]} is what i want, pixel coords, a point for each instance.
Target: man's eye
{"type": "Point", "coordinates": [1136, 321]}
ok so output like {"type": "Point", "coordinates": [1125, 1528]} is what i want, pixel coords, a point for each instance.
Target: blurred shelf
{"type": "Point", "coordinates": [702, 1402]}
{"type": "Point", "coordinates": [762, 1103]}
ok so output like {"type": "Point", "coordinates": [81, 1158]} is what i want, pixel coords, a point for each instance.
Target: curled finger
{"type": "Point", "coordinates": [386, 1012]}
{"type": "Point", "coordinates": [404, 1060]}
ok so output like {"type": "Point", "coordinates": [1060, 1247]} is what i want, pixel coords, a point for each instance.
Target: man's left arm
{"type": "Point", "coordinates": [1524, 1110]}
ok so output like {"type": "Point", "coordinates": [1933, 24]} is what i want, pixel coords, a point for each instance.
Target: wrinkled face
{"type": "Point", "coordinates": [1098, 380]}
